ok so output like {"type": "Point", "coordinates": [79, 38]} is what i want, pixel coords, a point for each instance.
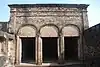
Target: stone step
{"type": "Point", "coordinates": [53, 65]}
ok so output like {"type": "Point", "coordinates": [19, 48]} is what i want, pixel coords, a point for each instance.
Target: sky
{"type": "Point", "coordinates": [93, 9]}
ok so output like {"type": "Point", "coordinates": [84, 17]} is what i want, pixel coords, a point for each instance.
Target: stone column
{"type": "Point", "coordinates": [84, 26]}
{"type": "Point", "coordinates": [80, 48]}
{"type": "Point", "coordinates": [18, 50]}
{"type": "Point", "coordinates": [61, 49]}
{"type": "Point", "coordinates": [39, 50]}
{"type": "Point", "coordinates": [36, 50]}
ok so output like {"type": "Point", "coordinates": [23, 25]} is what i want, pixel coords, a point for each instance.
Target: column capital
{"type": "Point", "coordinates": [38, 34]}
{"type": "Point", "coordinates": [60, 34]}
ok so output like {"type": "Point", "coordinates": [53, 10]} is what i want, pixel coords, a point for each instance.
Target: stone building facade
{"type": "Point", "coordinates": [44, 35]}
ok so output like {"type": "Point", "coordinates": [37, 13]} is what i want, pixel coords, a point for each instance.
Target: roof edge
{"type": "Point", "coordinates": [48, 5]}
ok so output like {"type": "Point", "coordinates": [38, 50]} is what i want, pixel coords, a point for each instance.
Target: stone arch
{"type": "Point", "coordinates": [27, 30]}
{"type": "Point", "coordinates": [49, 30]}
{"type": "Point", "coordinates": [70, 30]}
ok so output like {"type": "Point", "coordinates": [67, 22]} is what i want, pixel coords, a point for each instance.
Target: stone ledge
{"type": "Point", "coordinates": [49, 5]}
{"type": "Point", "coordinates": [48, 64]}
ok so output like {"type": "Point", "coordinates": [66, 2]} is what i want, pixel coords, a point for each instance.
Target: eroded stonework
{"type": "Point", "coordinates": [32, 20]}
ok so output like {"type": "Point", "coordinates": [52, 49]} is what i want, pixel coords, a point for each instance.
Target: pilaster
{"type": "Point", "coordinates": [61, 49]}
{"type": "Point", "coordinates": [39, 50]}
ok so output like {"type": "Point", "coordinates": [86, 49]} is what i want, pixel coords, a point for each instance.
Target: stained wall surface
{"type": "Point", "coordinates": [45, 20]}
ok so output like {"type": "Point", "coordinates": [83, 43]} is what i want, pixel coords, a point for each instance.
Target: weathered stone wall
{"type": "Point", "coordinates": [11, 52]}
{"type": "Point", "coordinates": [3, 52]}
{"type": "Point", "coordinates": [39, 16]}
{"type": "Point", "coordinates": [3, 26]}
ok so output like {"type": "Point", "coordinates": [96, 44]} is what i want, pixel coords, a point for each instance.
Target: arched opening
{"type": "Point", "coordinates": [26, 41]}
{"type": "Point", "coordinates": [71, 36]}
{"type": "Point", "coordinates": [49, 37]}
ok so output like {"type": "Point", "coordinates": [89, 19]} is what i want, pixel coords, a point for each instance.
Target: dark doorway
{"type": "Point", "coordinates": [28, 50]}
{"type": "Point", "coordinates": [71, 48]}
{"type": "Point", "coordinates": [49, 49]}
